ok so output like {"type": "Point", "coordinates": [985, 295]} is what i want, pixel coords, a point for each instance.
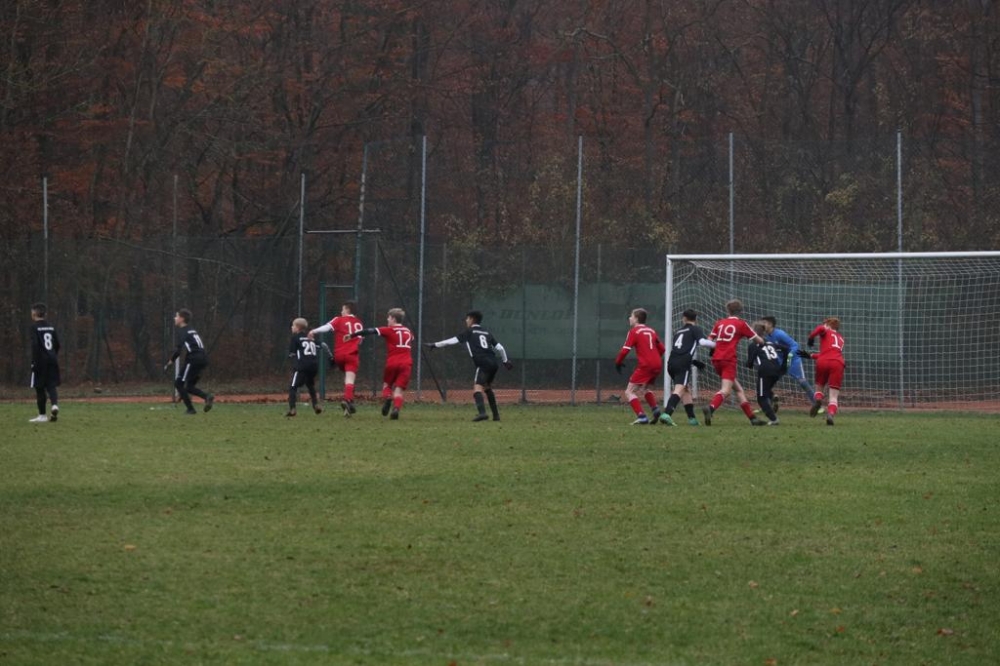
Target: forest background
{"type": "Point", "coordinates": [174, 141]}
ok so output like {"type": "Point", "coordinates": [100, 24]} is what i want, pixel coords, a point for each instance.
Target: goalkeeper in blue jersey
{"type": "Point", "coordinates": [795, 369]}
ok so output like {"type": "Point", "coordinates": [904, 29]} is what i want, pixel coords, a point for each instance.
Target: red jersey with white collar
{"type": "Point", "coordinates": [648, 348]}
{"type": "Point", "coordinates": [398, 344]}
{"type": "Point", "coordinates": [342, 326]}
{"type": "Point", "coordinates": [831, 344]}
{"type": "Point", "coordinates": [727, 334]}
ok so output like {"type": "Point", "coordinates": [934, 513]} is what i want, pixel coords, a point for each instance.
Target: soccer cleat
{"type": "Point", "coordinates": [642, 420]}
{"type": "Point", "coordinates": [822, 410]}
{"type": "Point", "coordinates": [386, 406]}
{"type": "Point", "coordinates": [350, 407]}
{"type": "Point", "coordinates": [756, 421]}
{"type": "Point", "coordinates": [496, 417]}
{"type": "Point", "coordinates": [656, 415]}
{"type": "Point", "coordinates": [41, 418]}
{"type": "Point", "coordinates": [290, 413]}
{"type": "Point", "coordinates": [829, 419]}
{"type": "Point", "coordinates": [707, 413]}
{"type": "Point", "coordinates": [693, 421]}
{"type": "Point", "coordinates": [317, 408]}
{"type": "Point", "coordinates": [774, 422]}
{"type": "Point", "coordinates": [814, 410]}
{"type": "Point", "coordinates": [346, 407]}
{"type": "Point", "coordinates": [479, 417]}
{"type": "Point", "coordinates": [665, 419]}
{"type": "Point", "coordinates": [209, 401]}
{"type": "Point", "coordinates": [190, 412]}
{"type": "Point", "coordinates": [55, 413]}
{"type": "Point", "coordinates": [394, 415]}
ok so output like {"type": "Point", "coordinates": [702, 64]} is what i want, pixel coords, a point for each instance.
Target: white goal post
{"type": "Point", "coordinates": [921, 329]}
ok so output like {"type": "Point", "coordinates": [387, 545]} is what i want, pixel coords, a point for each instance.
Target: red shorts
{"type": "Point", "coordinates": [397, 376]}
{"type": "Point", "coordinates": [726, 369]}
{"type": "Point", "coordinates": [829, 373]}
{"type": "Point", "coordinates": [645, 374]}
{"type": "Point", "coordinates": [346, 362]}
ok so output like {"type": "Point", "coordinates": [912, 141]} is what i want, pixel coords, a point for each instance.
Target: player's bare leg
{"type": "Point", "coordinates": [632, 392]}
{"type": "Point", "coordinates": [831, 406]}
{"type": "Point", "coordinates": [720, 397]}
{"type": "Point", "coordinates": [650, 398]}
{"type": "Point", "coordinates": [347, 404]}
{"type": "Point", "coordinates": [386, 399]}
{"type": "Point", "coordinates": [397, 403]}
{"type": "Point", "coordinates": [745, 405]}
{"type": "Point", "coordinates": [817, 400]}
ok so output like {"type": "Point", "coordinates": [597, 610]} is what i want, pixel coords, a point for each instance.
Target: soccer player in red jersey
{"type": "Point", "coordinates": [727, 333]}
{"type": "Point", "coordinates": [345, 350]}
{"type": "Point", "coordinates": [398, 362]}
{"type": "Point", "coordinates": [829, 365]}
{"type": "Point", "coordinates": [649, 352]}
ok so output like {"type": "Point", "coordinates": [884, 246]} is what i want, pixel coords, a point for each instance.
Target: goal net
{"type": "Point", "coordinates": [921, 329]}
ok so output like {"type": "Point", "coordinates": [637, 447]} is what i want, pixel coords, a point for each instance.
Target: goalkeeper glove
{"type": "Point", "coordinates": [508, 365]}
{"type": "Point", "coordinates": [698, 364]}
{"type": "Point", "coordinates": [810, 342]}
{"type": "Point", "coordinates": [802, 353]}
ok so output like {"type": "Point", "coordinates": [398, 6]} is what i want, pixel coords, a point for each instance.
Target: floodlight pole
{"type": "Point", "coordinates": [423, 237]}
{"type": "Point", "coordinates": [576, 263]}
{"type": "Point", "coordinates": [302, 223]}
{"type": "Point", "coordinates": [45, 237]}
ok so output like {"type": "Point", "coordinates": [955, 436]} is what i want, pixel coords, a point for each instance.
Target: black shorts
{"type": "Point", "coordinates": [45, 376]}
{"type": "Point", "coordinates": [305, 376]}
{"type": "Point", "coordinates": [679, 371]}
{"type": "Point", "coordinates": [765, 384]}
{"type": "Point", "coordinates": [486, 370]}
{"type": "Point", "coordinates": [191, 371]}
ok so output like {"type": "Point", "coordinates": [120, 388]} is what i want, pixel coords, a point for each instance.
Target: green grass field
{"type": "Point", "coordinates": [132, 534]}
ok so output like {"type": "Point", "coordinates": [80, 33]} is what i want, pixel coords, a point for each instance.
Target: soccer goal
{"type": "Point", "coordinates": [921, 329]}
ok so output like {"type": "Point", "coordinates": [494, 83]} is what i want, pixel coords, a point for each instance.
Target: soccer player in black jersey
{"type": "Point", "coordinates": [303, 349]}
{"type": "Point", "coordinates": [683, 355]}
{"type": "Point", "coordinates": [483, 348]}
{"type": "Point", "coordinates": [44, 363]}
{"type": "Point", "coordinates": [195, 362]}
{"type": "Point", "coordinates": [770, 361]}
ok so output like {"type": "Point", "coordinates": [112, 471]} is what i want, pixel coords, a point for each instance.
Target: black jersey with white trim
{"type": "Point", "coordinates": [686, 342]}
{"type": "Point", "coordinates": [768, 358]}
{"type": "Point", "coordinates": [481, 344]}
{"type": "Point", "coordinates": [304, 351]}
{"type": "Point", "coordinates": [192, 345]}
{"type": "Point", "coordinates": [44, 344]}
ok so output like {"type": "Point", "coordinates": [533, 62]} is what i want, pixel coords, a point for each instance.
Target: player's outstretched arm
{"type": "Point", "coordinates": [453, 340]}
{"type": "Point", "coordinates": [503, 356]}
{"type": "Point", "coordinates": [319, 329]}
{"type": "Point", "coordinates": [361, 334]}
